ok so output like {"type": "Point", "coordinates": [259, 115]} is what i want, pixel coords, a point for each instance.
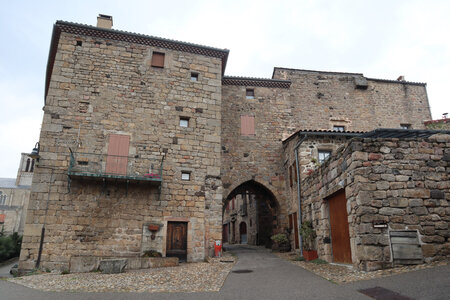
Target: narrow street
{"type": "Point", "coordinates": [259, 274]}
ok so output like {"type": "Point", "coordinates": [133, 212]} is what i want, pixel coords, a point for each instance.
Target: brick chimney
{"type": "Point", "coordinates": [104, 21]}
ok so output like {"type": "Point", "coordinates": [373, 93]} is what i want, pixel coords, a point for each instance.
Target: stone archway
{"type": "Point", "coordinates": [252, 204]}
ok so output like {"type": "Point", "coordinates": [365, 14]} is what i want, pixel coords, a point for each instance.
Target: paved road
{"type": "Point", "coordinates": [4, 270]}
{"type": "Point", "coordinates": [270, 278]}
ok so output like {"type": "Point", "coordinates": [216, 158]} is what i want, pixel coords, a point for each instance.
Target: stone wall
{"type": "Point", "coordinates": [101, 87]}
{"type": "Point", "coordinates": [333, 98]}
{"type": "Point", "coordinates": [402, 183]}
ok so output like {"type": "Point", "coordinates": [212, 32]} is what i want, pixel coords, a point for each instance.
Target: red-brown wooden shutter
{"type": "Point", "coordinates": [2, 218]}
{"type": "Point", "coordinates": [158, 60]}
{"type": "Point", "coordinates": [117, 159]}
{"type": "Point", "coordinates": [247, 125]}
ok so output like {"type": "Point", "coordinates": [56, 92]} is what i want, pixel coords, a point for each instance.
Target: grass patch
{"type": "Point", "coordinates": [298, 258]}
{"type": "Point", "coordinates": [319, 261]}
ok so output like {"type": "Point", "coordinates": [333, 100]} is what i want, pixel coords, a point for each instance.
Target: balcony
{"type": "Point", "coordinates": [115, 168]}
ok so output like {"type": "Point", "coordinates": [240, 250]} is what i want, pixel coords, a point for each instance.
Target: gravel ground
{"type": "Point", "coordinates": [187, 277]}
{"type": "Point", "coordinates": [345, 274]}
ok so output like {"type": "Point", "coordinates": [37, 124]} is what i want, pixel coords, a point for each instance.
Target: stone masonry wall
{"type": "Point", "coordinates": [257, 157]}
{"type": "Point", "coordinates": [107, 87]}
{"type": "Point", "coordinates": [323, 99]}
{"type": "Point", "coordinates": [404, 183]}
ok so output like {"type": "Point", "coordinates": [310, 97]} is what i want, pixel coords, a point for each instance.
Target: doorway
{"type": "Point", "coordinates": [340, 238]}
{"type": "Point", "coordinates": [243, 232]}
{"type": "Point", "coordinates": [177, 240]}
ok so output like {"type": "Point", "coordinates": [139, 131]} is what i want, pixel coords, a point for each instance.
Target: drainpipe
{"type": "Point", "coordinates": [299, 215]}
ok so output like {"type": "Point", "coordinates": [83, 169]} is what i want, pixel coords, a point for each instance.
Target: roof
{"type": "Point", "coordinates": [444, 120]}
{"type": "Point", "coordinates": [8, 183]}
{"type": "Point", "coordinates": [352, 74]}
{"type": "Point", "coordinates": [259, 82]}
{"type": "Point", "coordinates": [118, 35]}
{"type": "Point", "coordinates": [311, 132]}
{"type": "Point", "coordinates": [402, 133]}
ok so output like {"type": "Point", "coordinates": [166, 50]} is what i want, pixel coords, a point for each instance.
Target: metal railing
{"type": "Point", "coordinates": [115, 166]}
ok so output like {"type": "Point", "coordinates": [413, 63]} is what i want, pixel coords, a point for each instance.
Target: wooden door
{"type": "Point", "coordinates": [117, 159]}
{"type": "Point", "coordinates": [340, 238]}
{"type": "Point", "coordinates": [225, 233]}
{"type": "Point", "coordinates": [177, 240]}
{"type": "Point", "coordinates": [294, 217]}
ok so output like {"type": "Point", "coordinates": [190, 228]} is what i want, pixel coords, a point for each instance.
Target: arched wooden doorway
{"type": "Point", "coordinates": [243, 232]}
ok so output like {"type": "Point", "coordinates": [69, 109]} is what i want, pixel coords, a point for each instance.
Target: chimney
{"type": "Point", "coordinates": [104, 21]}
{"type": "Point", "coordinates": [400, 78]}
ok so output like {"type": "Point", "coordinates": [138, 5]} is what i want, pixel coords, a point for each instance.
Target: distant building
{"type": "Point", "coordinates": [14, 197]}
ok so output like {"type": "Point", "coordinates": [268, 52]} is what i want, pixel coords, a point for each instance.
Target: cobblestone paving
{"type": "Point", "coordinates": [345, 274]}
{"type": "Point", "coordinates": [188, 277]}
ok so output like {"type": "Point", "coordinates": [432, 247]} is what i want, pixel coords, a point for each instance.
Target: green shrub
{"type": "Point", "coordinates": [299, 258]}
{"type": "Point", "coordinates": [279, 238]}
{"type": "Point", "coordinates": [152, 253]}
{"type": "Point", "coordinates": [319, 261]}
{"type": "Point", "coordinates": [10, 246]}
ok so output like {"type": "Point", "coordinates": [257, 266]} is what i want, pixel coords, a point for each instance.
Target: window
{"type": "Point", "coordinates": [247, 125]}
{"type": "Point", "coordinates": [27, 168]}
{"type": "Point", "coordinates": [158, 60]}
{"type": "Point", "coordinates": [232, 204]}
{"type": "Point", "coordinates": [2, 199]}
{"type": "Point", "coordinates": [185, 175]}
{"type": "Point", "coordinates": [250, 94]}
{"type": "Point", "coordinates": [324, 155]}
{"type": "Point", "coordinates": [2, 218]}
{"type": "Point", "coordinates": [194, 76]}
{"type": "Point", "coordinates": [184, 122]}
{"type": "Point", "coordinates": [405, 126]}
{"type": "Point", "coordinates": [339, 128]}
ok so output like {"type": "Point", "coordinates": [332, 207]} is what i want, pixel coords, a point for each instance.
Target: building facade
{"type": "Point", "coordinates": [144, 143]}
{"type": "Point", "coordinates": [14, 197]}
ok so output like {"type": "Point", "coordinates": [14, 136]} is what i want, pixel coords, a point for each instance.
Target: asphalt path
{"type": "Point", "coordinates": [261, 275]}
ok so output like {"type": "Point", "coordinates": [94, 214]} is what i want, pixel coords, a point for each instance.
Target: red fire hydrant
{"type": "Point", "coordinates": [218, 248]}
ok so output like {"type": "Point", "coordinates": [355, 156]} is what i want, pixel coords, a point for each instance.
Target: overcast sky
{"type": "Point", "coordinates": [381, 39]}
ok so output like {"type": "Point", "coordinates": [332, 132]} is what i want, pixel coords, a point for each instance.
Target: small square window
{"type": "Point", "coordinates": [405, 126]}
{"type": "Point", "coordinates": [250, 94]}
{"type": "Point", "coordinates": [184, 122]}
{"type": "Point", "coordinates": [185, 175]}
{"type": "Point", "coordinates": [158, 60]}
{"type": "Point", "coordinates": [194, 76]}
{"type": "Point", "coordinates": [339, 128]}
{"type": "Point", "coordinates": [324, 155]}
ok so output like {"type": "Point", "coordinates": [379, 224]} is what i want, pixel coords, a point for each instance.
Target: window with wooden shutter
{"type": "Point", "coordinates": [2, 218]}
{"type": "Point", "coordinates": [117, 158]}
{"type": "Point", "coordinates": [158, 59]}
{"type": "Point", "coordinates": [247, 125]}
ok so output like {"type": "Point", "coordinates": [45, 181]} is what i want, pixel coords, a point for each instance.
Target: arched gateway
{"type": "Point", "coordinates": [250, 215]}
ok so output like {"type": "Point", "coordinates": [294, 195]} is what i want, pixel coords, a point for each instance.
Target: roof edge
{"type": "Point", "coordinates": [254, 81]}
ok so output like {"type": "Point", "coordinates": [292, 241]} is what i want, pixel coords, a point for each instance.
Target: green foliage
{"type": "Point", "coordinates": [10, 246]}
{"type": "Point", "coordinates": [308, 235]}
{"type": "Point", "coordinates": [279, 238]}
{"type": "Point", "coordinates": [152, 253]}
{"type": "Point", "coordinates": [299, 258]}
{"type": "Point", "coordinates": [65, 272]}
{"type": "Point", "coordinates": [319, 261]}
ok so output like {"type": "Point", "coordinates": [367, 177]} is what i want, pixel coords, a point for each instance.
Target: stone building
{"type": "Point", "coordinates": [380, 199]}
{"type": "Point", "coordinates": [14, 197]}
{"type": "Point", "coordinates": [145, 141]}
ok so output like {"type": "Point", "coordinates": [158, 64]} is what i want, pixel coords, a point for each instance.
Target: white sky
{"type": "Point", "coordinates": [381, 39]}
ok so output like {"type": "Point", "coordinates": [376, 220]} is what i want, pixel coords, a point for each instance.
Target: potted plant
{"type": "Point", "coordinates": [308, 238]}
{"type": "Point", "coordinates": [280, 242]}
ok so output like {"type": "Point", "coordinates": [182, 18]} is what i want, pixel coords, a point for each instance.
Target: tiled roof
{"type": "Point", "coordinates": [324, 132]}
{"type": "Point", "coordinates": [259, 82]}
{"type": "Point", "coordinates": [352, 74]}
{"type": "Point", "coordinates": [8, 183]}
{"type": "Point", "coordinates": [402, 133]}
{"type": "Point", "coordinates": [118, 35]}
